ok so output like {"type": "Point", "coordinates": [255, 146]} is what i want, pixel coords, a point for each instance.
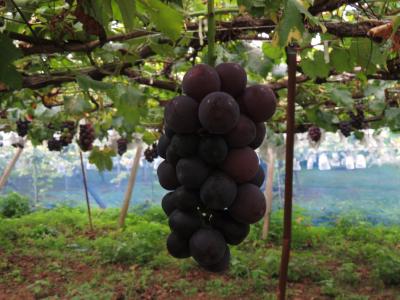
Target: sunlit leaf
{"type": "Point", "coordinates": [166, 19]}
{"type": "Point", "coordinates": [102, 158]}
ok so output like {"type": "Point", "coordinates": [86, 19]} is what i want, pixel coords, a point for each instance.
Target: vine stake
{"type": "Point", "coordinates": [131, 184]}
{"type": "Point", "coordinates": [290, 129]}
{"type": "Point", "coordinates": [86, 192]}
{"type": "Point", "coordinates": [268, 192]}
{"type": "Point", "coordinates": [7, 171]}
{"type": "Point", "coordinates": [211, 32]}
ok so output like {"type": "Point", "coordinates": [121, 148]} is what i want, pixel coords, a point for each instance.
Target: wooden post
{"type": "Point", "coordinates": [86, 192]}
{"type": "Point", "coordinates": [10, 166]}
{"type": "Point", "coordinates": [290, 129]}
{"type": "Point", "coordinates": [268, 192]}
{"type": "Point", "coordinates": [129, 189]}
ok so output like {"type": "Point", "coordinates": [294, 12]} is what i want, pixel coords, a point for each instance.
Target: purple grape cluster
{"type": "Point", "coordinates": [345, 128]}
{"type": "Point", "coordinates": [211, 168]}
{"type": "Point", "coordinates": [314, 133]}
{"type": "Point", "coordinates": [22, 127]}
{"type": "Point", "coordinates": [86, 137]}
{"type": "Point", "coordinates": [54, 144]}
{"type": "Point", "coordinates": [122, 145]}
{"type": "Point", "coordinates": [150, 154]}
{"type": "Point", "coordinates": [358, 118]}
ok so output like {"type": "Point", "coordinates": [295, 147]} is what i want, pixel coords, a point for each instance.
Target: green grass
{"type": "Point", "coordinates": [52, 254]}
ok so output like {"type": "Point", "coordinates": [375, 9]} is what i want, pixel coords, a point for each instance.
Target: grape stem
{"type": "Point", "coordinates": [211, 32]}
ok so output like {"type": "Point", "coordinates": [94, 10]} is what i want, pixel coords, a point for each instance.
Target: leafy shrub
{"type": "Point", "coordinates": [306, 266]}
{"type": "Point", "coordinates": [387, 268]}
{"type": "Point", "coordinates": [140, 244]}
{"type": "Point", "coordinates": [347, 273]}
{"type": "Point", "coordinates": [14, 205]}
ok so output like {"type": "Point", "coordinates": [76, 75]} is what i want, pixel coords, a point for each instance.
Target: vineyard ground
{"type": "Point", "coordinates": [52, 255]}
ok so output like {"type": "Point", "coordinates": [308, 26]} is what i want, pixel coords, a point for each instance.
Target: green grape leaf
{"type": "Point", "coordinates": [86, 83]}
{"type": "Point", "coordinates": [102, 158]}
{"type": "Point", "coordinates": [130, 105]}
{"type": "Point", "coordinates": [341, 60]}
{"type": "Point", "coordinates": [9, 53]}
{"type": "Point", "coordinates": [101, 10]}
{"type": "Point", "coordinates": [166, 19]}
{"type": "Point", "coordinates": [291, 27]}
{"type": "Point", "coordinates": [304, 10]}
{"type": "Point", "coordinates": [367, 54]}
{"type": "Point", "coordinates": [76, 105]}
{"type": "Point", "coordinates": [392, 116]}
{"type": "Point", "coordinates": [321, 118]}
{"type": "Point", "coordinates": [316, 67]}
{"type": "Point", "coordinates": [273, 52]}
{"type": "Point", "coordinates": [149, 137]}
{"type": "Point", "coordinates": [342, 97]}
{"type": "Point", "coordinates": [359, 135]}
{"type": "Point", "coordinates": [163, 49]}
{"type": "Point", "coordinates": [128, 13]}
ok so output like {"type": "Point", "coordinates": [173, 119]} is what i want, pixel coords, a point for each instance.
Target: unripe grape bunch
{"type": "Point", "coordinates": [210, 165]}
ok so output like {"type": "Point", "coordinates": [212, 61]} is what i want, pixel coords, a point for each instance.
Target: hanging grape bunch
{"type": "Point", "coordinates": [122, 145]}
{"type": "Point", "coordinates": [86, 137]}
{"type": "Point", "coordinates": [210, 166]}
{"type": "Point", "coordinates": [314, 133]}
{"type": "Point", "coordinates": [150, 154]}
{"type": "Point", "coordinates": [54, 144]}
{"type": "Point", "coordinates": [22, 127]}
{"type": "Point", "coordinates": [358, 118]}
{"type": "Point", "coordinates": [345, 128]}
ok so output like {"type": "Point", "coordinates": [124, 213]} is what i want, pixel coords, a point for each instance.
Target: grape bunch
{"type": "Point", "coordinates": [68, 131]}
{"type": "Point", "coordinates": [22, 127]}
{"type": "Point", "coordinates": [345, 128]}
{"type": "Point", "coordinates": [122, 145]}
{"type": "Point", "coordinates": [86, 137]}
{"type": "Point", "coordinates": [150, 154]}
{"type": "Point", "coordinates": [54, 144]}
{"type": "Point", "coordinates": [358, 118]}
{"type": "Point", "coordinates": [314, 133]}
{"type": "Point", "coordinates": [211, 168]}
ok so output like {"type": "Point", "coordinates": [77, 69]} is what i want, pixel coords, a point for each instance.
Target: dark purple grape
{"type": "Point", "coordinates": [22, 127]}
{"type": "Point", "coordinates": [122, 144]}
{"type": "Point", "coordinates": [54, 144]}
{"type": "Point", "coordinates": [314, 133]}
{"type": "Point", "coordinates": [345, 128]}
{"type": "Point", "coordinates": [86, 137]}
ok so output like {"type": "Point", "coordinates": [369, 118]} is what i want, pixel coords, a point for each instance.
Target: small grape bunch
{"type": "Point", "coordinates": [358, 118]}
{"type": "Point", "coordinates": [150, 154]}
{"type": "Point", "coordinates": [345, 128]}
{"type": "Point", "coordinates": [22, 127]}
{"type": "Point", "coordinates": [86, 137]}
{"type": "Point", "coordinates": [54, 144]}
{"type": "Point", "coordinates": [122, 144]}
{"type": "Point", "coordinates": [314, 133]}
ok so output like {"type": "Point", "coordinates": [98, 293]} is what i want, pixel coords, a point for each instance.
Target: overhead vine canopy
{"type": "Point", "coordinates": [116, 62]}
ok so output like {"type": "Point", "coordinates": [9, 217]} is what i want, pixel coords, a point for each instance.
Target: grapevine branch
{"type": "Point", "coordinates": [225, 31]}
{"type": "Point", "coordinates": [57, 78]}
